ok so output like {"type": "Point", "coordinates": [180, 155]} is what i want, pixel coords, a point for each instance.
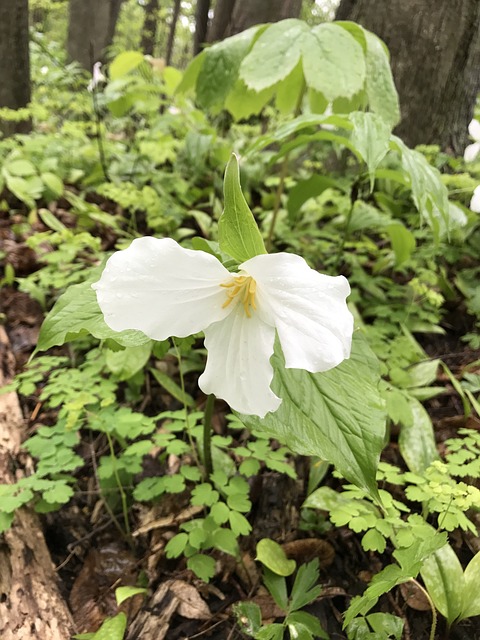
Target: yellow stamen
{"type": "Point", "coordinates": [245, 288]}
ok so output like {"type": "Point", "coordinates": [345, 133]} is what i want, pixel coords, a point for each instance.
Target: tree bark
{"type": "Point", "coordinates": [221, 19]}
{"type": "Point", "coordinates": [247, 13]}
{"type": "Point", "coordinates": [435, 55]}
{"type": "Point", "coordinates": [91, 27]}
{"type": "Point", "coordinates": [14, 62]}
{"type": "Point", "coordinates": [171, 32]}
{"type": "Point", "coordinates": [201, 25]}
{"type": "Point", "coordinates": [149, 31]}
{"type": "Point", "coordinates": [31, 606]}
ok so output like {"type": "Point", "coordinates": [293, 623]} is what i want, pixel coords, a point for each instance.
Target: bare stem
{"type": "Point", "coordinates": [207, 436]}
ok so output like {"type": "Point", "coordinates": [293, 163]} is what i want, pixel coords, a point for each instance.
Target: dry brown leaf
{"type": "Point", "coordinates": [191, 604]}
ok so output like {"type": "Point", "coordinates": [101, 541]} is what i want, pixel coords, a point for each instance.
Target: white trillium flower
{"type": "Point", "coordinates": [164, 290]}
{"type": "Point", "coordinates": [475, 201]}
{"type": "Point", "coordinates": [472, 151]}
{"type": "Point", "coordinates": [97, 77]}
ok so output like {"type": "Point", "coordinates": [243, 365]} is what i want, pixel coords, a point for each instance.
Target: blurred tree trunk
{"type": "Point", "coordinates": [14, 62]}
{"type": "Point", "coordinates": [221, 19]}
{"type": "Point", "coordinates": [435, 52]}
{"type": "Point", "coordinates": [247, 13]}
{"type": "Point", "coordinates": [201, 25]}
{"type": "Point", "coordinates": [171, 33]}
{"type": "Point", "coordinates": [150, 24]}
{"type": "Point", "coordinates": [91, 27]}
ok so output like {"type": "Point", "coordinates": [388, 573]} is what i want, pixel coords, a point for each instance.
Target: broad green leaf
{"type": "Point", "coordinates": [471, 594]}
{"type": "Point", "coordinates": [333, 61]}
{"type": "Point", "coordinates": [274, 55]}
{"type": "Point", "coordinates": [403, 242]}
{"type": "Point", "coordinates": [271, 554]}
{"type": "Point", "coordinates": [416, 439]}
{"type": "Point", "coordinates": [219, 71]}
{"type": "Point", "coordinates": [290, 92]}
{"type": "Point", "coordinates": [20, 168]}
{"type": "Point", "coordinates": [51, 221]}
{"type": "Point", "coordinates": [191, 74]}
{"type": "Point", "coordinates": [123, 593]}
{"type": "Point", "coordinates": [243, 102]}
{"type": "Point", "coordinates": [238, 234]}
{"type": "Point", "coordinates": [338, 415]}
{"type": "Point", "coordinates": [442, 574]}
{"type": "Point", "coordinates": [124, 63]}
{"type": "Point", "coordinates": [306, 189]}
{"type": "Point", "coordinates": [112, 628]}
{"type": "Point", "coordinates": [371, 136]}
{"type": "Point", "coordinates": [304, 626]}
{"type": "Point", "coordinates": [428, 191]}
{"type": "Point", "coordinates": [53, 184]}
{"type": "Point", "coordinates": [165, 381]}
{"type": "Point", "coordinates": [386, 624]}
{"type": "Point", "coordinates": [77, 313]}
{"type": "Point", "coordinates": [379, 85]}
{"type": "Point", "coordinates": [125, 363]}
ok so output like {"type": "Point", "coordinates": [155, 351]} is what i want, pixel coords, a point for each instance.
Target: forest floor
{"type": "Point", "coordinates": [91, 558]}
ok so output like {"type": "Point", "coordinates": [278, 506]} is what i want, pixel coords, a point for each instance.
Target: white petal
{"type": "Point", "coordinates": [307, 308]}
{"type": "Point", "coordinates": [475, 201]}
{"type": "Point", "coordinates": [471, 152]}
{"type": "Point", "coordinates": [474, 130]}
{"type": "Point", "coordinates": [238, 364]}
{"type": "Point", "coordinates": [162, 289]}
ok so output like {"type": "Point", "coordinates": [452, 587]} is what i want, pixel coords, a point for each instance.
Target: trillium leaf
{"type": "Point", "coordinates": [337, 416]}
{"type": "Point", "coordinates": [243, 102]}
{"type": "Point", "coordinates": [333, 61]}
{"type": "Point", "coordinates": [77, 313]}
{"type": "Point", "coordinates": [371, 136]}
{"type": "Point", "coordinates": [443, 576]}
{"type": "Point", "coordinates": [238, 233]}
{"type": "Point", "coordinates": [274, 55]}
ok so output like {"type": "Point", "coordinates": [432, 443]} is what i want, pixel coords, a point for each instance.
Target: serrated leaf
{"type": "Point", "coordinates": [77, 313]}
{"type": "Point", "coordinates": [219, 71]}
{"type": "Point", "coordinates": [202, 566]}
{"type": "Point", "coordinates": [305, 590]}
{"type": "Point", "coordinates": [333, 61]}
{"type": "Point", "coordinates": [380, 87]}
{"type": "Point", "coordinates": [238, 233]}
{"type": "Point", "coordinates": [274, 55]}
{"type": "Point", "coordinates": [338, 415]}
{"type": "Point", "coordinates": [442, 574]}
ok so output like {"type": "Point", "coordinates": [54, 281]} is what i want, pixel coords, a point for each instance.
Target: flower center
{"type": "Point", "coordinates": [242, 288]}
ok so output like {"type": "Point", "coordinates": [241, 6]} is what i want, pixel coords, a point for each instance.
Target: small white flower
{"type": "Point", "coordinates": [472, 151]}
{"type": "Point", "coordinates": [164, 290]}
{"type": "Point", "coordinates": [475, 201]}
{"type": "Point", "coordinates": [97, 77]}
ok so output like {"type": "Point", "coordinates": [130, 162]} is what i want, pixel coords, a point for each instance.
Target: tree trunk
{"type": "Point", "coordinates": [171, 33]}
{"type": "Point", "coordinates": [201, 25]}
{"type": "Point", "coordinates": [247, 13]}
{"type": "Point", "coordinates": [31, 607]}
{"type": "Point", "coordinates": [14, 62]}
{"type": "Point", "coordinates": [149, 31]}
{"type": "Point", "coordinates": [435, 52]}
{"type": "Point", "coordinates": [91, 27]}
{"type": "Point", "coordinates": [221, 19]}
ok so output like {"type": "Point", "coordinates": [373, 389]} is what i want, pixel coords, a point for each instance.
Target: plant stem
{"type": "Point", "coordinates": [187, 417]}
{"type": "Point", "coordinates": [207, 436]}
{"type": "Point", "coordinates": [432, 607]}
{"type": "Point", "coordinates": [123, 496]}
{"type": "Point", "coordinates": [99, 135]}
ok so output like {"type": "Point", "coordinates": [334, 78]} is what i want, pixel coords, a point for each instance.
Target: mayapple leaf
{"type": "Point", "coordinates": [443, 577]}
{"type": "Point", "coordinates": [77, 313]}
{"type": "Point", "coordinates": [238, 233]}
{"type": "Point", "coordinates": [333, 61]}
{"type": "Point", "coordinates": [337, 415]}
